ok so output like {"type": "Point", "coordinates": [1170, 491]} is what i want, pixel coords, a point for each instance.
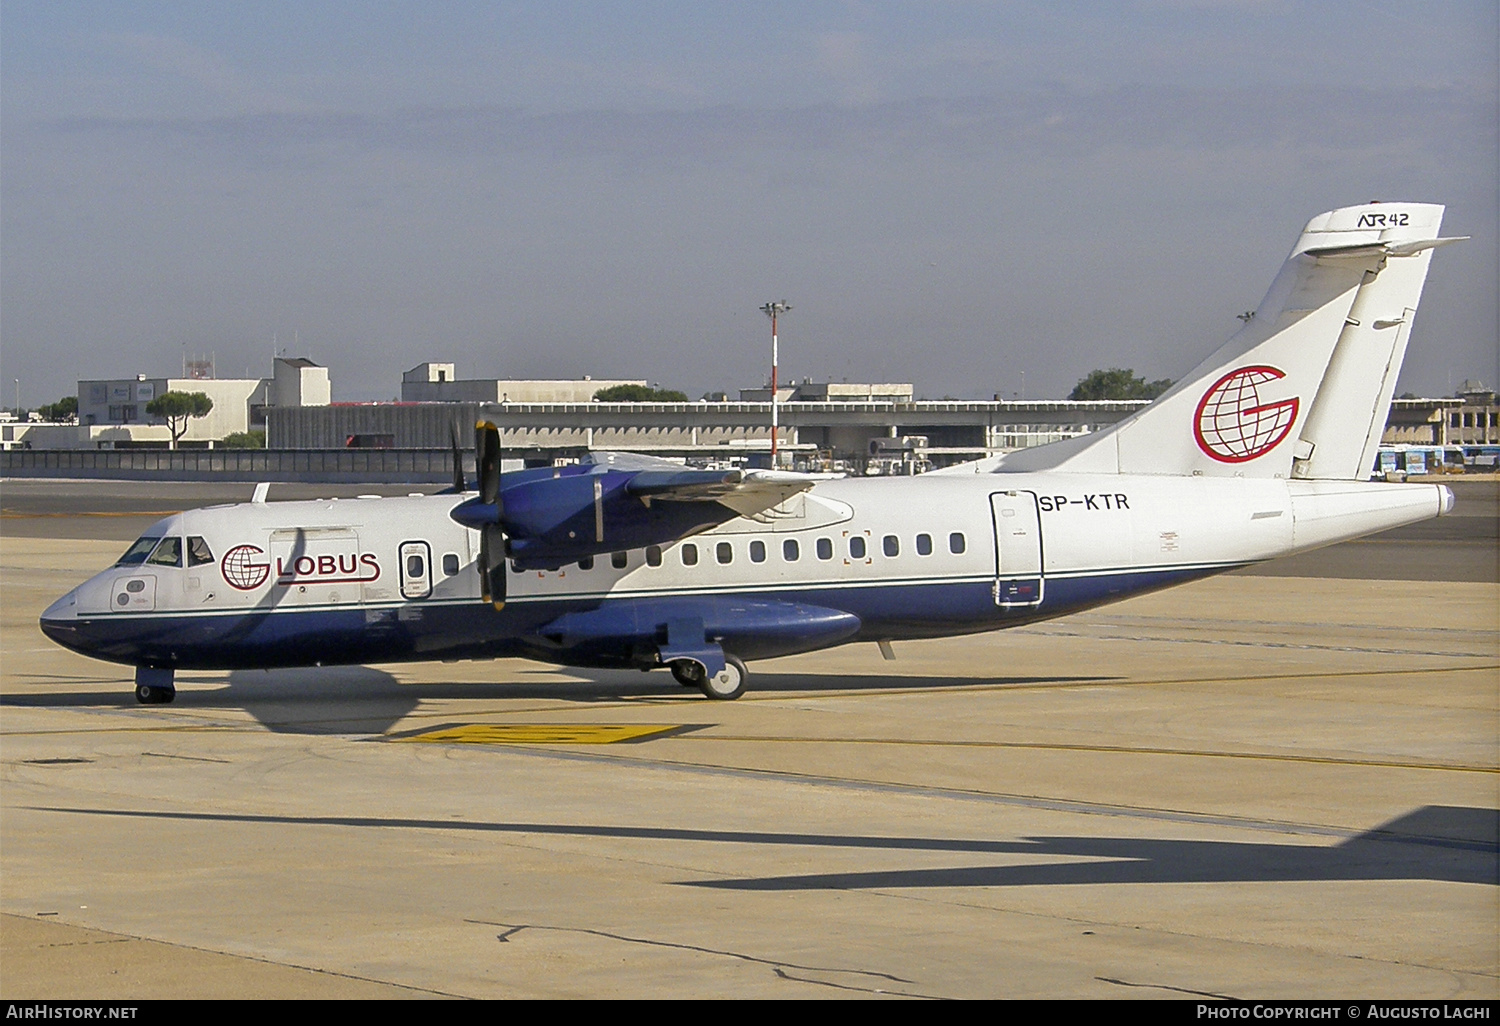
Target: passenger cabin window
{"type": "Point", "coordinates": [757, 552]}
{"type": "Point", "coordinates": [416, 566]}
{"type": "Point", "coordinates": [168, 553]}
{"type": "Point", "coordinates": [450, 564]}
{"type": "Point", "coordinates": [924, 544]}
{"type": "Point", "coordinates": [137, 553]}
{"type": "Point", "coordinates": [586, 563]}
{"type": "Point", "coordinates": [619, 559]}
{"type": "Point", "coordinates": [653, 555]}
{"type": "Point", "coordinates": [956, 542]}
{"type": "Point", "coordinates": [825, 548]}
{"type": "Point", "coordinates": [724, 552]}
{"type": "Point", "coordinates": [790, 550]}
{"type": "Point", "coordinates": [198, 553]}
{"type": "Point", "coordinates": [856, 547]}
{"type": "Point", "coordinates": [891, 545]}
{"type": "Point", "coordinates": [690, 554]}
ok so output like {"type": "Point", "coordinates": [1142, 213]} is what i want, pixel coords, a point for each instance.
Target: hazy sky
{"type": "Point", "coordinates": [953, 194]}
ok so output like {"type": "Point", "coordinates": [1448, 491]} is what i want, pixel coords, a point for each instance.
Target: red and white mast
{"type": "Point", "coordinates": [771, 310]}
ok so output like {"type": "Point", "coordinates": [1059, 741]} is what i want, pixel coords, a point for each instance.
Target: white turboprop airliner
{"type": "Point", "coordinates": [1261, 451]}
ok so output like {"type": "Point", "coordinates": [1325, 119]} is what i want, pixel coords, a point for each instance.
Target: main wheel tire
{"type": "Point", "coordinates": [727, 684]}
{"type": "Point", "coordinates": [148, 694]}
{"type": "Point", "coordinates": [688, 673]}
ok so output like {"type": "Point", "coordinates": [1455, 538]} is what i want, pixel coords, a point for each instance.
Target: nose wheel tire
{"type": "Point", "coordinates": [150, 694]}
{"type": "Point", "coordinates": [727, 684]}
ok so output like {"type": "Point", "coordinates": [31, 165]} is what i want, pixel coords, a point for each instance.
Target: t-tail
{"type": "Point", "coordinates": [1303, 390]}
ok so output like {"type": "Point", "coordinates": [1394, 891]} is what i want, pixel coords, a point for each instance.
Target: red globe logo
{"type": "Point", "coordinates": [244, 567]}
{"type": "Point", "coordinates": [1233, 425]}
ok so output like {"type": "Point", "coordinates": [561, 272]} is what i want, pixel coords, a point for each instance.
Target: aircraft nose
{"type": "Point", "coordinates": [65, 608]}
{"type": "Point", "coordinates": [59, 620]}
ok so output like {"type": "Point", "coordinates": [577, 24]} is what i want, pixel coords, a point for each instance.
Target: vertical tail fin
{"type": "Point", "coordinates": [1304, 388]}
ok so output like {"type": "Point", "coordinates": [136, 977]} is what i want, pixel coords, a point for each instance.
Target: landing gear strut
{"type": "Point", "coordinates": [154, 687]}
{"type": "Point", "coordinates": [689, 673]}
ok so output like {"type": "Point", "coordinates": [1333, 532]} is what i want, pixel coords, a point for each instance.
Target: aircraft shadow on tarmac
{"type": "Point", "coordinates": [367, 700]}
{"type": "Point", "coordinates": [1442, 843]}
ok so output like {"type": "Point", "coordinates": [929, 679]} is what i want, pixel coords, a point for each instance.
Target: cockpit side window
{"type": "Point", "coordinates": [168, 553]}
{"type": "Point", "coordinates": [137, 553]}
{"type": "Point", "coordinates": [198, 551]}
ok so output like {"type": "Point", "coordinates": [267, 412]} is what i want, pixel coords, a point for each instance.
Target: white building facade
{"type": "Point", "coordinates": [112, 412]}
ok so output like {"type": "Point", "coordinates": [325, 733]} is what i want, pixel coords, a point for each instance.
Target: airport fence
{"type": "Point", "coordinates": [347, 466]}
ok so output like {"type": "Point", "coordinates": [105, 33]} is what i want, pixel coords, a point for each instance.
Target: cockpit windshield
{"type": "Point", "coordinates": [198, 551]}
{"type": "Point", "coordinates": [137, 553]}
{"type": "Point", "coordinates": [168, 553]}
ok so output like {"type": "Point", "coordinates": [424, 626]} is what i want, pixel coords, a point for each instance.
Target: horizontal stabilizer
{"type": "Point", "coordinates": [1384, 249]}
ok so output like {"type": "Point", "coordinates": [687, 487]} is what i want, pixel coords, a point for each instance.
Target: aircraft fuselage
{"type": "Point", "coordinates": [388, 579]}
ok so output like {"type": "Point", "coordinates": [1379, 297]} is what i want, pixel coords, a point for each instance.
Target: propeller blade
{"type": "Point", "coordinates": [491, 536]}
{"type": "Point", "coordinates": [487, 461]}
{"type": "Point", "coordinates": [491, 569]}
{"type": "Point", "coordinates": [458, 457]}
{"type": "Point", "coordinates": [484, 565]}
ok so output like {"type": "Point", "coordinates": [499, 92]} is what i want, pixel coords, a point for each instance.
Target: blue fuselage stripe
{"type": "Point", "coordinates": [360, 634]}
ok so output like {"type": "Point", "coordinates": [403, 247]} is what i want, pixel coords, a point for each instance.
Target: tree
{"type": "Point", "coordinates": [65, 409]}
{"type": "Point", "coordinates": [176, 407]}
{"type": "Point", "coordinates": [1116, 383]}
{"type": "Point", "coordinates": [639, 394]}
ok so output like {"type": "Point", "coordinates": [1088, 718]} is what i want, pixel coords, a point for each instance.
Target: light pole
{"type": "Point", "coordinates": [771, 310]}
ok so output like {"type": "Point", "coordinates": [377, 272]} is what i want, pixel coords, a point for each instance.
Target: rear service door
{"type": "Point", "coordinates": [1018, 549]}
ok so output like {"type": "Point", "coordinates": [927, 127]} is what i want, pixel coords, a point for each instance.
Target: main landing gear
{"type": "Point", "coordinates": [728, 683]}
{"type": "Point", "coordinates": [154, 687]}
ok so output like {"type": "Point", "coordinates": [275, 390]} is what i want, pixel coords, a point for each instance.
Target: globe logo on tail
{"type": "Point", "coordinates": [245, 567]}
{"type": "Point", "coordinates": [1234, 425]}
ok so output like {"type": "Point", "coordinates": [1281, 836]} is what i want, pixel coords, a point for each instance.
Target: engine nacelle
{"type": "Point", "coordinates": [558, 516]}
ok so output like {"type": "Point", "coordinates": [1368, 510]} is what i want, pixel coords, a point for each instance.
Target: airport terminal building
{"type": "Point", "coordinates": [823, 425]}
{"type": "Point", "coordinates": [874, 428]}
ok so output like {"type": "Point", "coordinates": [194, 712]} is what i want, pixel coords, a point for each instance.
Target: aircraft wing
{"type": "Point", "coordinates": [747, 492]}
{"type": "Point", "coordinates": [629, 461]}
{"type": "Point", "coordinates": [621, 501]}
